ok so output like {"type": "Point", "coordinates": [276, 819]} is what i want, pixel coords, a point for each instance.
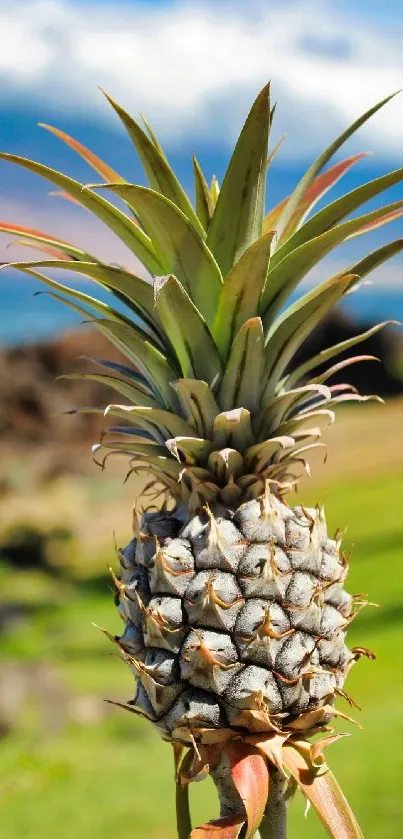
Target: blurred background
{"type": "Point", "coordinates": [70, 764]}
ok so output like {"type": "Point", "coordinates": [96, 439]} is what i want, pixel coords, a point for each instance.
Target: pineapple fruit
{"type": "Point", "coordinates": [233, 600]}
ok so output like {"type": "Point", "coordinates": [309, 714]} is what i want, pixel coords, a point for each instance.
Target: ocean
{"type": "Point", "coordinates": [25, 318]}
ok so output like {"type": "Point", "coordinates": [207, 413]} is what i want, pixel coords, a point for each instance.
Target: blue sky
{"type": "Point", "coordinates": [193, 68]}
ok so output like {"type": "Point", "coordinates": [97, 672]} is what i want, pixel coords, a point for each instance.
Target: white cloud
{"type": "Point", "coordinates": [193, 67]}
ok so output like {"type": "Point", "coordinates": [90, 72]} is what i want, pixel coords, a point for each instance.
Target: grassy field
{"type": "Point", "coordinates": [73, 766]}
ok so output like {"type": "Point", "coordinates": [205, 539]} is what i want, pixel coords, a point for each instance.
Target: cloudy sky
{"type": "Point", "coordinates": [193, 67]}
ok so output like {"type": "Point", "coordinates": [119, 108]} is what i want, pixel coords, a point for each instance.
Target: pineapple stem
{"type": "Point", "coordinates": [274, 823]}
{"type": "Point", "coordinates": [230, 800]}
{"type": "Point", "coordinates": [183, 820]}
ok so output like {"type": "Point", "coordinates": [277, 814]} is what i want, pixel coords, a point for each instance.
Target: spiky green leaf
{"type": "Point", "coordinates": [198, 404]}
{"type": "Point", "coordinates": [180, 249]}
{"type": "Point", "coordinates": [41, 238]}
{"type": "Point", "coordinates": [277, 409]}
{"type": "Point", "coordinates": [241, 293]}
{"type": "Point", "coordinates": [300, 190]}
{"type": "Point", "coordinates": [290, 329]}
{"type": "Point", "coordinates": [241, 386]}
{"type": "Point", "coordinates": [233, 429]}
{"type": "Point", "coordinates": [325, 355]}
{"type": "Point", "coordinates": [263, 452]}
{"type": "Point", "coordinates": [107, 173]}
{"type": "Point", "coordinates": [150, 361]}
{"type": "Point", "coordinates": [158, 171]}
{"type": "Point", "coordinates": [132, 290]}
{"type": "Point", "coordinates": [337, 210]}
{"type": "Point", "coordinates": [285, 276]}
{"type": "Point", "coordinates": [167, 423]}
{"type": "Point", "coordinates": [132, 236]}
{"type": "Point", "coordinates": [134, 394]}
{"type": "Point", "coordinates": [204, 203]}
{"type": "Point", "coordinates": [325, 795]}
{"type": "Point", "coordinates": [238, 216]}
{"type": "Point", "coordinates": [318, 188]}
{"type": "Point", "coordinates": [190, 450]}
{"type": "Point", "coordinates": [187, 331]}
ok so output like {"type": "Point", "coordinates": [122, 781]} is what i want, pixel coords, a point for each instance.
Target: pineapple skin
{"type": "Point", "coordinates": [239, 611]}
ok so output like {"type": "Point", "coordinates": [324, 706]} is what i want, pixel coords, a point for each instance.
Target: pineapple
{"type": "Point", "coordinates": [233, 600]}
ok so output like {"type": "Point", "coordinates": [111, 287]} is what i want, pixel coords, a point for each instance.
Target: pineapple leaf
{"type": "Point", "coordinates": [151, 362]}
{"type": "Point", "coordinates": [183, 820]}
{"type": "Point", "coordinates": [241, 292]}
{"type": "Point", "coordinates": [128, 372]}
{"type": "Point", "coordinates": [46, 239]}
{"type": "Point", "coordinates": [180, 249]}
{"type": "Point", "coordinates": [130, 391]}
{"type": "Point", "coordinates": [132, 236]}
{"type": "Point", "coordinates": [233, 429]}
{"type": "Point", "coordinates": [229, 827]}
{"type": "Point", "coordinates": [238, 215]}
{"type": "Point", "coordinates": [132, 448]}
{"type": "Point", "coordinates": [335, 212]}
{"type": "Point", "coordinates": [167, 423]}
{"type": "Point", "coordinates": [325, 795]}
{"type": "Point", "coordinates": [250, 776]}
{"type": "Point", "coordinates": [95, 304]}
{"type": "Point", "coordinates": [59, 193]}
{"type": "Point", "coordinates": [152, 135]}
{"type": "Point", "coordinates": [204, 204]}
{"type": "Point", "coordinates": [193, 449]}
{"type": "Point", "coordinates": [214, 190]}
{"type": "Point", "coordinates": [263, 452]}
{"type": "Point", "coordinates": [376, 258]}
{"type": "Point", "coordinates": [159, 173]}
{"type": "Point", "coordinates": [279, 407]}
{"type": "Point", "coordinates": [331, 352]}
{"type": "Point", "coordinates": [198, 404]}
{"type": "Point", "coordinates": [136, 433]}
{"type": "Point", "coordinates": [297, 322]}
{"type": "Point", "coordinates": [361, 268]}
{"type": "Point", "coordinates": [318, 188]}
{"type": "Point", "coordinates": [46, 249]}
{"type": "Point", "coordinates": [226, 464]}
{"type": "Point", "coordinates": [110, 328]}
{"type": "Point", "coordinates": [286, 275]}
{"type": "Point", "coordinates": [299, 193]}
{"type": "Point", "coordinates": [347, 362]}
{"type": "Point", "coordinates": [130, 289]}
{"type": "Point", "coordinates": [243, 376]}
{"type": "Point", "coordinates": [322, 417]}
{"type": "Point", "coordinates": [270, 159]}
{"type": "Point", "coordinates": [186, 330]}
{"type": "Point", "coordinates": [102, 168]}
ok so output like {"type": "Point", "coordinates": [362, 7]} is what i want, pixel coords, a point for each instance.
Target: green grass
{"type": "Point", "coordinates": [113, 778]}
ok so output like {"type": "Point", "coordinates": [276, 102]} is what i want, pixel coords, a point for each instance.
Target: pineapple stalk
{"type": "Point", "coordinates": [274, 823]}
{"type": "Point", "coordinates": [233, 601]}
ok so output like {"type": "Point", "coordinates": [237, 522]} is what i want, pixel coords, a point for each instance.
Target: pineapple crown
{"type": "Point", "coordinates": [217, 406]}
